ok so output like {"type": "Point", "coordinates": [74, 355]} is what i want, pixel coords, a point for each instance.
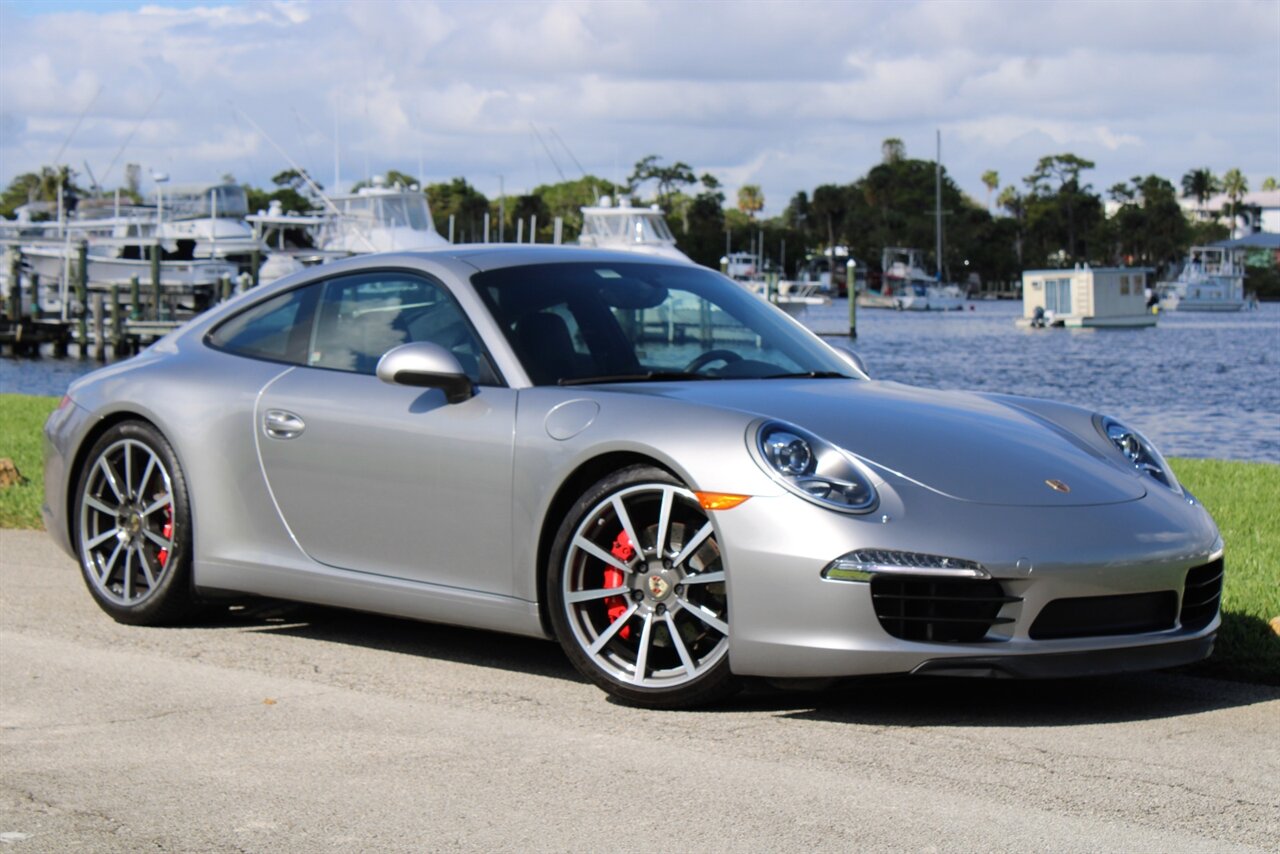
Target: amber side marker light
{"type": "Point", "coordinates": [719, 500]}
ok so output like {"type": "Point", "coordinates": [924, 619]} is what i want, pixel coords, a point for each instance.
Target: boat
{"type": "Point", "coordinates": [905, 286]}
{"type": "Point", "coordinates": [1211, 279]}
{"type": "Point", "coordinates": [606, 225]}
{"type": "Point", "coordinates": [1085, 297]}
{"type": "Point", "coordinates": [379, 218]}
{"type": "Point", "coordinates": [376, 218]}
{"type": "Point", "coordinates": [817, 269]}
{"type": "Point", "coordinates": [205, 221]}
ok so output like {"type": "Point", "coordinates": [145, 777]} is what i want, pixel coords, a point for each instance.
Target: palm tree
{"type": "Point", "coordinates": [992, 179]}
{"type": "Point", "coordinates": [1016, 204]}
{"type": "Point", "coordinates": [893, 150]}
{"type": "Point", "coordinates": [1235, 185]}
{"type": "Point", "coordinates": [1270, 185]}
{"type": "Point", "coordinates": [750, 199]}
{"type": "Point", "coordinates": [1200, 184]}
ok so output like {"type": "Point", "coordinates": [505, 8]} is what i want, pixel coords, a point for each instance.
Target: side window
{"type": "Point", "coordinates": [361, 317]}
{"type": "Point", "coordinates": [276, 329]}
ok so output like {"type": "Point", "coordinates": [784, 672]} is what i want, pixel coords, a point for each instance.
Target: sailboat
{"type": "Point", "coordinates": [904, 284]}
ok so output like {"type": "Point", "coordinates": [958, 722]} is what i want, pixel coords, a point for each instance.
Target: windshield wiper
{"type": "Point", "coordinates": [809, 375]}
{"type": "Point", "coordinates": [648, 376]}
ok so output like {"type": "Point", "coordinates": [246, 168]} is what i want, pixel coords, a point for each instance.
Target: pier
{"type": "Point", "coordinates": [75, 313]}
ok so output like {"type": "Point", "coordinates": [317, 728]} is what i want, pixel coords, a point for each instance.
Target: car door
{"type": "Point", "coordinates": [391, 479]}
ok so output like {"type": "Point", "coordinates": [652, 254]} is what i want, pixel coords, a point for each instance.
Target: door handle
{"type": "Point", "coordinates": [278, 424]}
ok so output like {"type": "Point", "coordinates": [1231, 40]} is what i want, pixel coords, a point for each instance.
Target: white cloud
{"type": "Point", "coordinates": [784, 94]}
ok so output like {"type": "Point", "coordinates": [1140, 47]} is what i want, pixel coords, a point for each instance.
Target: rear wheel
{"type": "Point", "coordinates": [133, 527]}
{"type": "Point", "coordinates": [637, 592]}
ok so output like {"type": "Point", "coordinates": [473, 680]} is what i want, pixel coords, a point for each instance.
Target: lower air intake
{"type": "Point", "coordinates": [1201, 596]}
{"type": "Point", "coordinates": [947, 610]}
{"type": "Point", "coordinates": [1098, 616]}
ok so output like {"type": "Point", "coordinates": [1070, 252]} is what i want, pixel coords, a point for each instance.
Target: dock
{"type": "Point", "coordinates": [88, 317]}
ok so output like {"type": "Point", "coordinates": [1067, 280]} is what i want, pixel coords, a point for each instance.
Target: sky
{"type": "Point", "coordinates": [786, 95]}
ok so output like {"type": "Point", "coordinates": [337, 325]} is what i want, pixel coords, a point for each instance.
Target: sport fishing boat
{"type": "Point", "coordinates": [631, 229]}
{"type": "Point", "coordinates": [1211, 279]}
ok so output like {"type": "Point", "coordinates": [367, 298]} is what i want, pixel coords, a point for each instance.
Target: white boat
{"type": "Point", "coordinates": [373, 219]}
{"type": "Point", "coordinates": [204, 221]}
{"type": "Point", "coordinates": [1212, 279]}
{"type": "Point", "coordinates": [904, 284]}
{"type": "Point", "coordinates": [379, 219]}
{"type": "Point", "coordinates": [630, 229]}
{"type": "Point", "coordinates": [907, 287]}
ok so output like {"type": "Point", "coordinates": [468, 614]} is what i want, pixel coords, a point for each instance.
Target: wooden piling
{"type": "Point", "coordinates": [15, 287]}
{"type": "Point", "coordinates": [135, 298]}
{"type": "Point", "coordinates": [82, 291]}
{"type": "Point", "coordinates": [117, 323]}
{"type": "Point", "coordinates": [851, 288]}
{"type": "Point", "coordinates": [99, 327]}
{"type": "Point", "coordinates": [155, 281]}
{"type": "Point", "coordinates": [255, 263]}
{"type": "Point", "coordinates": [35, 295]}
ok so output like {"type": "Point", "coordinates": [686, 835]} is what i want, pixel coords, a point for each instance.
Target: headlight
{"type": "Point", "coordinates": [1140, 453]}
{"type": "Point", "coordinates": [812, 468]}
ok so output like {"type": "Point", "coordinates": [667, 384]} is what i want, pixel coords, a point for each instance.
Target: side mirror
{"type": "Point", "coordinates": [425, 365]}
{"type": "Point", "coordinates": [852, 358]}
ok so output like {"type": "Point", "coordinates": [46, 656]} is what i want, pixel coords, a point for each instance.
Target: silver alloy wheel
{"type": "Point", "coordinates": [127, 526]}
{"type": "Point", "coordinates": [644, 587]}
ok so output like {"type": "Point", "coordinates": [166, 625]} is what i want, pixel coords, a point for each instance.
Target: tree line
{"type": "Point", "coordinates": [1052, 217]}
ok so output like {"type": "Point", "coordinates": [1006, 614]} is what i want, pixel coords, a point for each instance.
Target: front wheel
{"type": "Point", "coordinates": [637, 592]}
{"type": "Point", "coordinates": [133, 527]}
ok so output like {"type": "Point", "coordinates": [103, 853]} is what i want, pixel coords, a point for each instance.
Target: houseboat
{"type": "Point", "coordinates": [1086, 297]}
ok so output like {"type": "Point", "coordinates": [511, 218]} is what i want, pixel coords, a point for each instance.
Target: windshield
{"type": "Point", "coordinates": [624, 322]}
{"type": "Point", "coordinates": [405, 212]}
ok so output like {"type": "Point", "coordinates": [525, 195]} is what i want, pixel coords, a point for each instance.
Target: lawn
{"type": "Point", "coordinates": [1244, 498]}
{"type": "Point", "coordinates": [21, 418]}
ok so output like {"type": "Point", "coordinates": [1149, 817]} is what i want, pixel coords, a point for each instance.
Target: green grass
{"type": "Point", "coordinates": [1244, 498]}
{"type": "Point", "coordinates": [21, 420]}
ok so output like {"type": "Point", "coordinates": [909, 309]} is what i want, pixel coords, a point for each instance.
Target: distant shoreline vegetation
{"type": "Point", "coordinates": [1241, 496]}
{"type": "Point", "coordinates": [1049, 218]}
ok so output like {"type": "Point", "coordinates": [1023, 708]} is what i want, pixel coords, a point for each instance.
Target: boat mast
{"type": "Point", "coordinates": [937, 204]}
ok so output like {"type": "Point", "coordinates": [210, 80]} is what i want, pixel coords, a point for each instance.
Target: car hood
{"type": "Point", "coordinates": [962, 445]}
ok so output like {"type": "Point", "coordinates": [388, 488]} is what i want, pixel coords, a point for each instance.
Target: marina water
{"type": "Point", "coordinates": [1197, 384]}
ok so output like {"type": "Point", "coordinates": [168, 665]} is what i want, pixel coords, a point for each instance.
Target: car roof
{"type": "Point", "coordinates": [495, 256]}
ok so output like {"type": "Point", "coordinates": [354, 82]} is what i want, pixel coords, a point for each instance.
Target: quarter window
{"type": "Point", "coordinates": [361, 317]}
{"type": "Point", "coordinates": [275, 329]}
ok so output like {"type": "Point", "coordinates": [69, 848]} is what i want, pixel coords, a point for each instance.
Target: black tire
{"type": "Point", "coordinates": [663, 642]}
{"type": "Point", "coordinates": [131, 527]}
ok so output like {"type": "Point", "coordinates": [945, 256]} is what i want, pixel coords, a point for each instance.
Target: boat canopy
{"type": "Point", "coordinates": [391, 210]}
{"type": "Point", "coordinates": [196, 201]}
{"type": "Point", "coordinates": [627, 224]}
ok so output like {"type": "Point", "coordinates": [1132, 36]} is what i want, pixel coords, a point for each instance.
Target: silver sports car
{"type": "Point", "coordinates": [636, 457]}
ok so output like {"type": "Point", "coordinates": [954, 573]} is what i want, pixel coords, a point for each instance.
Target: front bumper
{"type": "Point", "coordinates": [64, 432]}
{"type": "Point", "coordinates": [788, 621]}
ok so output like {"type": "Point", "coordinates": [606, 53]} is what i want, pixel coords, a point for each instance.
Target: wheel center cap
{"type": "Point", "coordinates": [131, 523]}
{"type": "Point", "coordinates": [658, 586]}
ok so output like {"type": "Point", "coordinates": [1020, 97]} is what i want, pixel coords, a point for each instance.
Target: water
{"type": "Point", "coordinates": [1199, 385]}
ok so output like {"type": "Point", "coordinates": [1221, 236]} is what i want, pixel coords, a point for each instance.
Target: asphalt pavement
{"type": "Point", "coordinates": [275, 727]}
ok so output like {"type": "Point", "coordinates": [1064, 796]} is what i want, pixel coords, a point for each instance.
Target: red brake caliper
{"type": "Point", "coordinates": [162, 556]}
{"type": "Point", "coordinates": [616, 606]}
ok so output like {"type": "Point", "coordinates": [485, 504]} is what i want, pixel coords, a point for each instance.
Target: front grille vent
{"type": "Point", "coordinates": [1098, 616]}
{"type": "Point", "coordinates": [1202, 594]}
{"type": "Point", "coordinates": [946, 610]}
